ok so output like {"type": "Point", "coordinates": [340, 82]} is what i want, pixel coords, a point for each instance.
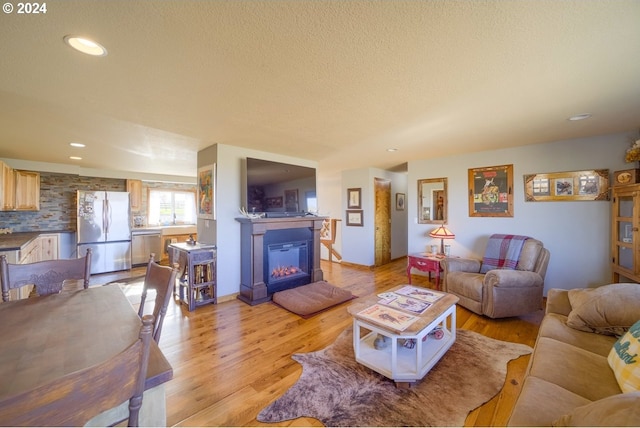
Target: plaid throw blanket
{"type": "Point", "coordinates": [503, 252]}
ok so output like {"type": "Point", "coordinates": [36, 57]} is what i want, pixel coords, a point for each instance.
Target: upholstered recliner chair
{"type": "Point", "coordinates": [512, 289]}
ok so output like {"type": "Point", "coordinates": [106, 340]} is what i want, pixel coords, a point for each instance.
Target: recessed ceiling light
{"type": "Point", "coordinates": [77, 145]}
{"type": "Point", "coordinates": [85, 45]}
{"type": "Point", "coordinates": [580, 117]}
{"type": "Point", "coordinates": [392, 150]}
{"type": "Point", "coordinates": [75, 157]}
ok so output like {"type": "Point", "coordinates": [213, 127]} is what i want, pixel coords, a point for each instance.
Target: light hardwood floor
{"type": "Point", "coordinates": [230, 360]}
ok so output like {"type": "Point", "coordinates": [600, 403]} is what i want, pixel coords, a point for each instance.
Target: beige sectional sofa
{"type": "Point", "coordinates": [569, 380]}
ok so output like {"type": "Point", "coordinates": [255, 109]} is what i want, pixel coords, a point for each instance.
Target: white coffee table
{"type": "Point", "coordinates": [395, 361]}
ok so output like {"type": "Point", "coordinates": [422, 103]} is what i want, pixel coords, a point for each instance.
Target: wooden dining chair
{"type": "Point", "coordinates": [47, 276]}
{"type": "Point", "coordinates": [76, 398]}
{"type": "Point", "coordinates": [161, 279]}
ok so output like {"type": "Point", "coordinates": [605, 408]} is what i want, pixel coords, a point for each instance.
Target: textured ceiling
{"type": "Point", "coordinates": [338, 82]}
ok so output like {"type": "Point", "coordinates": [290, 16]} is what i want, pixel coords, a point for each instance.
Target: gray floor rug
{"type": "Point", "coordinates": [338, 391]}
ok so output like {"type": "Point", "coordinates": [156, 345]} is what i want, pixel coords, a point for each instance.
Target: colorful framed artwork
{"type": "Point", "coordinates": [588, 185]}
{"type": "Point", "coordinates": [491, 191]}
{"type": "Point", "coordinates": [206, 192]}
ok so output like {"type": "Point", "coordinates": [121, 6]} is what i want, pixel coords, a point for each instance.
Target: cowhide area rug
{"type": "Point", "coordinates": [338, 391]}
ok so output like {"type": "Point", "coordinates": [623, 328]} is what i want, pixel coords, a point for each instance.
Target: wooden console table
{"type": "Point", "coordinates": [426, 263]}
{"type": "Point", "coordinates": [197, 270]}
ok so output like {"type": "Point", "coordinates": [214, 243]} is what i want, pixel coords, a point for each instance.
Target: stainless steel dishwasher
{"type": "Point", "coordinates": [143, 243]}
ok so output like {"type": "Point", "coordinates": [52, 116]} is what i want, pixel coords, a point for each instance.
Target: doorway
{"type": "Point", "coordinates": [382, 220]}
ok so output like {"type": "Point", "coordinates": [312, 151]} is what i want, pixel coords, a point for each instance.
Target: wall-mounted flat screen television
{"type": "Point", "coordinates": [279, 189]}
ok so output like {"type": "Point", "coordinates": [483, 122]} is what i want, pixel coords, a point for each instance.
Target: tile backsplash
{"type": "Point", "coordinates": [58, 202]}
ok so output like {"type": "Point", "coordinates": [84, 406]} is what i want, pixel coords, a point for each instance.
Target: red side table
{"type": "Point", "coordinates": [426, 263]}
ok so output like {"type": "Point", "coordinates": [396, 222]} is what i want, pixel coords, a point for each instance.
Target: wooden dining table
{"type": "Point", "coordinates": [44, 338]}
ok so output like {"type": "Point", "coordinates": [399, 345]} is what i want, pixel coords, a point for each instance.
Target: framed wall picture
{"type": "Point", "coordinates": [291, 200]}
{"type": "Point", "coordinates": [354, 198]}
{"type": "Point", "coordinates": [491, 191]}
{"type": "Point", "coordinates": [400, 201]}
{"type": "Point", "coordinates": [589, 185]}
{"type": "Point", "coordinates": [206, 192]}
{"type": "Point", "coordinates": [275, 202]}
{"type": "Point", "coordinates": [354, 218]}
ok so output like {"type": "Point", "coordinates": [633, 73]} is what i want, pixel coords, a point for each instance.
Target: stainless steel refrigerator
{"type": "Point", "coordinates": [104, 225]}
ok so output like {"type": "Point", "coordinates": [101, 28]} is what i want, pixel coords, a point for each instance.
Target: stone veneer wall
{"type": "Point", "coordinates": [58, 201]}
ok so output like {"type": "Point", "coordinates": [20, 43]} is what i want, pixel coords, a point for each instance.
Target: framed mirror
{"type": "Point", "coordinates": [432, 200]}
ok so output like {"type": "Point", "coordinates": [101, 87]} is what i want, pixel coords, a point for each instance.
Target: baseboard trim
{"type": "Point", "coordinates": [227, 298]}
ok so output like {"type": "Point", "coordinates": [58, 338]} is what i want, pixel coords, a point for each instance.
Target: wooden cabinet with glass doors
{"type": "Point", "coordinates": [625, 238]}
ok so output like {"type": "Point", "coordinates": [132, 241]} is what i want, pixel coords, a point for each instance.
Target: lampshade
{"type": "Point", "coordinates": [443, 233]}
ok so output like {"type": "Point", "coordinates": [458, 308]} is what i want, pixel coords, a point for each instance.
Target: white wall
{"type": "Point", "coordinates": [358, 242]}
{"type": "Point", "coordinates": [329, 191]}
{"type": "Point", "coordinates": [576, 233]}
{"type": "Point", "coordinates": [230, 195]}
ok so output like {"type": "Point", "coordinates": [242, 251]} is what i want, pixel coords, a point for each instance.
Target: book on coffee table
{"type": "Point", "coordinates": [419, 293]}
{"type": "Point", "coordinates": [387, 317]}
{"type": "Point", "coordinates": [405, 303]}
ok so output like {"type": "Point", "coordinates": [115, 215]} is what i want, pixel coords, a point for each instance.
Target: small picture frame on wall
{"type": "Point", "coordinates": [400, 201]}
{"type": "Point", "coordinates": [354, 198]}
{"type": "Point", "coordinates": [354, 218]}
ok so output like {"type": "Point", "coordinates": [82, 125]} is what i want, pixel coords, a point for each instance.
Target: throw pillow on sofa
{"type": "Point", "coordinates": [620, 410]}
{"type": "Point", "coordinates": [624, 359]}
{"type": "Point", "coordinates": [609, 309]}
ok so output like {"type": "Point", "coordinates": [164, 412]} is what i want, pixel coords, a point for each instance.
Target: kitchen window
{"type": "Point", "coordinates": [170, 207]}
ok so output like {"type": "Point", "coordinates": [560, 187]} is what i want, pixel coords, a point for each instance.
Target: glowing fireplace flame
{"type": "Point", "coordinates": [282, 271]}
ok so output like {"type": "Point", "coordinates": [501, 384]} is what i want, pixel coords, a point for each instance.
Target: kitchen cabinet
{"type": "Point", "coordinates": [27, 190]}
{"type": "Point", "coordinates": [134, 187]}
{"type": "Point", "coordinates": [7, 187]}
{"type": "Point", "coordinates": [30, 253]}
{"type": "Point", "coordinates": [49, 246]}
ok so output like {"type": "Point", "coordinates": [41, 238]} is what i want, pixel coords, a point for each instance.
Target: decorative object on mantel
{"type": "Point", "coordinates": [338, 391]}
{"type": "Point", "coordinates": [244, 212]}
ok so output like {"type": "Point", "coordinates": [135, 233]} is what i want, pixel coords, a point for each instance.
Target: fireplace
{"type": "Point", "coordinates": [277, 254]}
{"type": "Point", "coordinates": [287, 266]}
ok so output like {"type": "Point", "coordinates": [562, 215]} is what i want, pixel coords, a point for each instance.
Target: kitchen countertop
{"type": "Point", "coordinates": [17, 240]}
{"type": "Point", "coordinates": [145, 230]}
{"type": "Point", "coordinates": [168, 230]}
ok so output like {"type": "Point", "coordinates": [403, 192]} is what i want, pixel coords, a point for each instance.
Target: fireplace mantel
{"type": "Point", "coordinates": [253, 290]}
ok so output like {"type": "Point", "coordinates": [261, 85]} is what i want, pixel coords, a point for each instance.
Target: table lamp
{"type": "Point", "coordinates": [443, 233]}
